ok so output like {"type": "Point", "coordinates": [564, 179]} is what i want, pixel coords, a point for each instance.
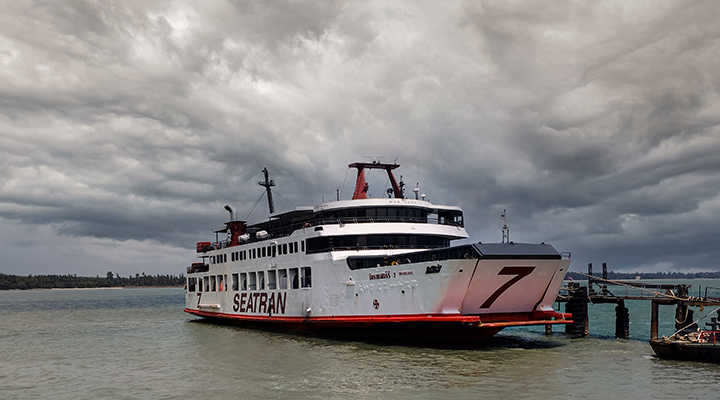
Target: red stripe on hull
{"type": "Point", "coordinates": [465, 328]}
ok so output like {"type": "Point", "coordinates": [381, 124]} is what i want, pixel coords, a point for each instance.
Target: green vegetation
{"type": "Point", "coordinates": [648, 275]}
{"type": "Point", "coordinates": [8, 282]}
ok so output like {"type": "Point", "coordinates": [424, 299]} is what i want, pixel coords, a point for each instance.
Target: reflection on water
{"type": "Point", "coordinates": [139, 344]}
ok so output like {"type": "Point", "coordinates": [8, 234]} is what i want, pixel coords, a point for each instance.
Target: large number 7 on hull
{"type": "Point", "coordinates": [520, 273]}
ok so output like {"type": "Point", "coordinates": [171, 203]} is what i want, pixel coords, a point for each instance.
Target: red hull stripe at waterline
{"type": "Point", "coordinates": [493, 321]}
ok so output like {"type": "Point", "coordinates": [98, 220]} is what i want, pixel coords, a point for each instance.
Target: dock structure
{"type": "Point", "coordinates": [577, 298]}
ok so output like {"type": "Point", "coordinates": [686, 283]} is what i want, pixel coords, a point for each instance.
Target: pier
{"type": "Point", "coordinates": [598, 291]}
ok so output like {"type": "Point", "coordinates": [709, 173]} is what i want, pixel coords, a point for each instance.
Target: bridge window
{"type": "Point", "coordinates": [235, 282]}
{"type": "Point", "coordinates": [191, 284]}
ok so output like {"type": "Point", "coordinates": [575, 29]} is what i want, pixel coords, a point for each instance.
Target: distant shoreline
{"type": "Point", "coordinates": [98, 287]}
{"type": "Point", "coordinates": [110, 281]}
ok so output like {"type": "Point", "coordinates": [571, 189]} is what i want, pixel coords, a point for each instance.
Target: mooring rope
{"type": "Point", "coordinates": [656, 293]}
{"type": "Point", "coordinates": [694, 322]}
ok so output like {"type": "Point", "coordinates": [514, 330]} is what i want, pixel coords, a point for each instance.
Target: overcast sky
{"type": "Point", "coordinates": [125, 128]}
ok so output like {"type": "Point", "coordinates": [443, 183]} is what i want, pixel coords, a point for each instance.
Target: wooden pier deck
{"type": "Point", "coordinates": [598, 291]}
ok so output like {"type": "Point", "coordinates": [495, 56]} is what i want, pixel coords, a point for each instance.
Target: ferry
{"type": "Point", "coordinates": [373, 267]}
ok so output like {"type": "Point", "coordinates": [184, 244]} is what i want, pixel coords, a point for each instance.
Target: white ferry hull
{"type": "Point", "coordinates": [466, 299]}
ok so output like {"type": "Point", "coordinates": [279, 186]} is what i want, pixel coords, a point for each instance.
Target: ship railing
{"type": "Point", "coordinates": [372, 220]}
{"type": "Point", "coordinates": [287, 230]}
{"type": "Point", "coordinates": [709, 337]}
{"type": "Point", "coordinates": [198, 267]}
{"type": "Point", "coordinates": [378, 247]}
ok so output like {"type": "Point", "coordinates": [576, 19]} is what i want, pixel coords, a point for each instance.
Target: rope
{"type": "Point", "coordinates": [276, 192]}
{"type": "Point", "coordinates": [656, 293]}
{"type": "Point", "coordinates": [694, 322]}
{"type": "Point", "coordinates": [342, 189]}
{"type": "Point", "coordinates": [254, 205]}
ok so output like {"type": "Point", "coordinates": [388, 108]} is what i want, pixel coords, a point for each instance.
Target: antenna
{"type": "Point", "coordinates": [505, 229]}
{"type": "Point", "coordinates": [375, 158]}
{"type": "Point", "coordinates": [267, 184]}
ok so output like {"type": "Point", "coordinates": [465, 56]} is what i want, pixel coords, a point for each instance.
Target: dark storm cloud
{"type": "Point", "coordinates": [124, 128]}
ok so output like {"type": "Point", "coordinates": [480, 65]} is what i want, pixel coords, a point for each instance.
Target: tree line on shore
{"type": "Point", "coordinates": [647, 275]}
{"type": "Point", "coordinates": [8, 282]}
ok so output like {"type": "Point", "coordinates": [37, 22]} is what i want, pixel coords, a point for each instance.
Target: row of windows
{"type": "Point", "coordinates": [292, 278]}
{"type": "Point", "coordinates": [394, 214]}
{"type": "Point", "coordinates": [391, 212]}
{"type": "Point", "coordinates": [355, 242]}
{"type": "Point", "coordinates": [259, 252]}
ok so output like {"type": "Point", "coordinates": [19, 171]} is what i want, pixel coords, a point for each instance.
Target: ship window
{"type": "Point", "coordinates": [200, 285]}
{"type": "Point", "coordinates": [191, 284]}
{"type": "Point", "coordinates": [302, 245]}
{"type": "Point", "coordinates": [283, 278]}
{"type": "Point", "coordinates": [263, 252]}
{"type": "Point", "coordinates": [381, 212]}
{"type": "Point", "coordinates": [253, 280]}
{"type": "Point", "coordinates": [261, 280]}
{"type": "Point", "coordinates": [243, 281]}
{"type": "Point", "coordinates": [284, 248]}
{"type": "Point", "coordinates": [305, 277]}
{"type": "Point", "coordinates": [392, 213]}
{"type": "Point", "coordinates": [253, 253]}
{"type": "Point", "coordinates": [220, 283]}
{"type": "Point", "coordinates": [271, 280]}
{"type": "Point", "coordinates": [213, 283]}
{"type": "Point", "coordinates": [273, 250]}
{"type": "Point", "coordinates": [206, 281]}
{"type": "Point", "coordinates": [225, 257]}
{"type": "Point", "coordinates": [234, 282]}
{"type": "Point", "coordinates": [371, 212]}
{"type": "Point", "coordinates": [294, 279]}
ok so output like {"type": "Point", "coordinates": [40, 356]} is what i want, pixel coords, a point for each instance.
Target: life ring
{"type": "Point", "coordinates": [307, 225]}
{"type": "Point", "coordinates": [394, 263]}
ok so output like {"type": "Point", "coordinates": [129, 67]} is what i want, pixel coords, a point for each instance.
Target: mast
{"type": "Point", "coordinates": [267, 184]}
{"type": "Point", "coordinates": [361, 186]}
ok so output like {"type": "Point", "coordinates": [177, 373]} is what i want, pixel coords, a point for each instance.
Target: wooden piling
{"type": "Point", "coordinates": [577, 306]}
{"type": "Point", "coordinates": [622, 320]}
{"type": "Point", "coordinates": [654, 311]}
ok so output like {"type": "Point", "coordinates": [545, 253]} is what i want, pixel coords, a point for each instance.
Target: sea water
{"type": "Point", "coordinates": [139, 344]}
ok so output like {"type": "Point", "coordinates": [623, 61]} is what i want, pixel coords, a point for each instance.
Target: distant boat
{"type": "Point", "coordinates": [378, 267]}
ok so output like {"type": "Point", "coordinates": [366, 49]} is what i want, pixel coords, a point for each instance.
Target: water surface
{"type": "Point", "coordinates": [137, 343]}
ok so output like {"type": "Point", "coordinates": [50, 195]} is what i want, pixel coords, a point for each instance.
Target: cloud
{"type": "Point", "coordinates": [130, 125]}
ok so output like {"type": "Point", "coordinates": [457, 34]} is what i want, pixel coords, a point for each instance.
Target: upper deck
{"type": "Point", "coordinates": [368, 211]}
{"type": "Point", "coordinates": [366, 216]}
